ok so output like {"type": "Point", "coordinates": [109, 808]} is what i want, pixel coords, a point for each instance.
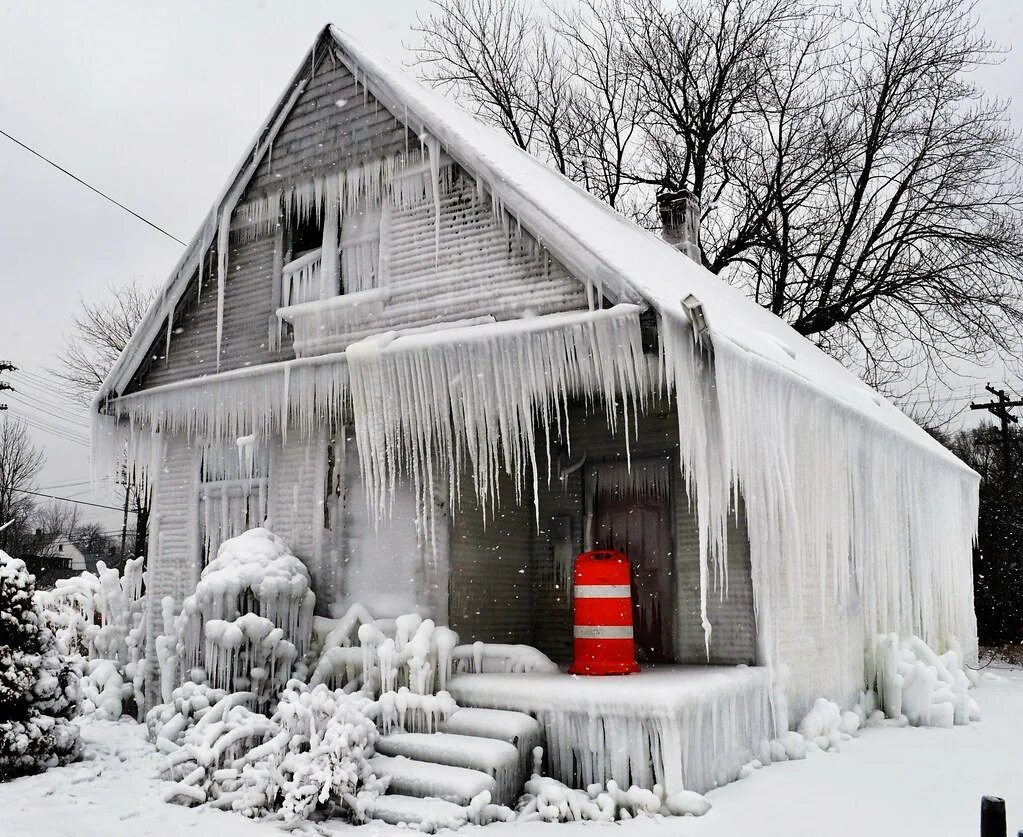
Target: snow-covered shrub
{"type": "Point", "coordinates": [38, 683]}
{"type": "Point", "coordinates": [418, 656]}
{"type": "Point", "coordinates": [826, 725]}
{"type": "Point", "coordinates": [246, 625]}
{"type": "Point", "coordinates": [917, 686]}
{"type": "Point", "coordinates": [104, 690]}
{"type": "Point", "coordinates": [189, 702]}
{"type": "Point", "coordinates": [313, 754]}
{"type": "Point", "coordinates": [101, 618]}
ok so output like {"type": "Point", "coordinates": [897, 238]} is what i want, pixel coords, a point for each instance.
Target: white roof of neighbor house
{"type": "Point", "coordinates": [594, 241]}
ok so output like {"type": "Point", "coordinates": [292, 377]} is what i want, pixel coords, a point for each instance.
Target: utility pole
{"type": "Point", "coordinates": [6, 367]}
{"type": "Point", "coordinates": [1000, 409]}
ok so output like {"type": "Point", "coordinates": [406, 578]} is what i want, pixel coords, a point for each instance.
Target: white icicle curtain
{"type": "Point", "coordinates": [882, 522]}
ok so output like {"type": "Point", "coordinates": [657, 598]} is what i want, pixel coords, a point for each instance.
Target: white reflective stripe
{"type": "Point", "coordinates": [603, 591]}
{"type": "Point", "coordinates": [603, 631]}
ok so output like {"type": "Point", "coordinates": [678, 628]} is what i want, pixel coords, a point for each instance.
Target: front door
{"type": "Point", "coordinates": [631, 512]}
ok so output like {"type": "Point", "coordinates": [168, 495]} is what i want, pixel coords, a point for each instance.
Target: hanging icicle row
{"type": "Point", "coordinates": [427, 406]}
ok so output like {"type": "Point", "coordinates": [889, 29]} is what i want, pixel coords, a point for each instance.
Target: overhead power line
{"type": "Point", "coordinates": [69, 500]}
{"type": "Point", "coordinates": [76, 178]}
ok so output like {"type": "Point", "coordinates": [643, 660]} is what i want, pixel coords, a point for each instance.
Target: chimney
{"type": "Point", "coordinates": [680, 221]}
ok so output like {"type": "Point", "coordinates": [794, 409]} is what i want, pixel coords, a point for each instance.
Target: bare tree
{"type": "Point", "coordinates": [53, 522]}
{"type": "Point", "coordinates": [851, 176]}
{"type": "Point", "coordinates": [100, 331]}
{"type": "Point", "coordinates": [20, 463]}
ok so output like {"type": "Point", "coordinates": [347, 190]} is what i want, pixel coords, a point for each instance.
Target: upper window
{"type": "Point", "coordinates": [330, 253]}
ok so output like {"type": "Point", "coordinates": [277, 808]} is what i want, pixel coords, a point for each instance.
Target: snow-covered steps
{"type": "Point", "coordinates": [520, 730]}
{"type": "Point", "coordinates": [498, 759]}
{"type": "Point", "coordinates": [428, 814]}
{"type": "Point", "coordinates": [412, 777]}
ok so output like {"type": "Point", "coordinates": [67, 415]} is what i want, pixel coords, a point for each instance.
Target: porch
{"type": "Point", "coordinates": [682, 726]}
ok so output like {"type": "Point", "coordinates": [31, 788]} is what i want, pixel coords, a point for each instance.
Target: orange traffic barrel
{"type": "Point", "coordinates": [602, 614]}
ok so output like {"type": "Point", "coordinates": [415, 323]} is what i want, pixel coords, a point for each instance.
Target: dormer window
{"type": "Point", "coordinates": [332, 252]}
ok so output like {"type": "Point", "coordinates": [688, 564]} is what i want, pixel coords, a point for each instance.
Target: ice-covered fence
{"type": "Point", "coordinates": [248, 622]}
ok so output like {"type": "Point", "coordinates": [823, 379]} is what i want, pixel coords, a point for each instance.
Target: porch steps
{"type": "Point", "coordinates": [520, 730]}
{"type": "Point", "coordinates": [425, 779]}
{"type": "Point", "coordinates": [427, 814]}
{"type": "Point", "coordinates": [432, 776]}
{"type": "Point", "coordinates": [497, 759]}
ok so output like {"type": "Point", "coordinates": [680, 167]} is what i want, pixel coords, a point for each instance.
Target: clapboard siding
{"type": "Point", "coordinates": [490, 586]}
{"type": "Point", "coordinates": [479, 269]}
{"type": "Point", "coordinates": [172, 567]}
{"type": "Point", "coordinates": [247, 310]}
{"type": "Point", "coordinates": [730, 613]}
{"type": "Point", "coordinates": [322, 135]}
{"type": "Point", "coordinates": [476, 269]}
{"type": "Point", "coordinates": [297, 489]}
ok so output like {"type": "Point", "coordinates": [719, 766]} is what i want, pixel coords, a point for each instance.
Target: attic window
{"type": "Point", "coordinates": [331, 253]}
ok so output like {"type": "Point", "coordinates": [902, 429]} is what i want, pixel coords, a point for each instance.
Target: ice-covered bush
{"type": "Point", "coordinates": [38, 684]}
{"type": "Point", "coordinates": [101, 618]}
{"type": "Point", "coordinates": [549, 800]}
{"type": "Point", "coordinates": [311, 755]}
{"type": "Point", "coordinates": [246, 625]}
{"type": "Point", "coordinates": [920, 687]}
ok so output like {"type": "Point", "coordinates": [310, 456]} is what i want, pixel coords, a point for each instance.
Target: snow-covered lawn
{"type": "Point", "coordinates": [890, 781]}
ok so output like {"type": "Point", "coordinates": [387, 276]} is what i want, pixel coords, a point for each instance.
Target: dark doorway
{"type": "Point", "coordinates": [631, 513]}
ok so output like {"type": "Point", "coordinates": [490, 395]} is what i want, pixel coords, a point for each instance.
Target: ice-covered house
{"type": "Point", "coordinates": [440, 370]}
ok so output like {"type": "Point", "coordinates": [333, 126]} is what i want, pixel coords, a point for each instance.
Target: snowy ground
{"type": "Point", "coordinates": [888, 782]}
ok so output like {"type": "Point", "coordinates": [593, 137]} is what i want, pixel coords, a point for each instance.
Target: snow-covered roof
{"type": "Point", "coordinates": [594, 241]}
{"type": "Point", "coordinates": [582, 230]}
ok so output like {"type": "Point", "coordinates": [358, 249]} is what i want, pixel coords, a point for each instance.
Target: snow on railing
{"type": "Point", "coordinates": [488, 658]}
{"type": "Point", "coordinates": [304, 280]}
{"type": "Point", "coordinates": [301, 279]}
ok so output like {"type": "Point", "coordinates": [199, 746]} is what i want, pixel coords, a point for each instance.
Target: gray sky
{"type": "Point", "coordinates": [153, 102]}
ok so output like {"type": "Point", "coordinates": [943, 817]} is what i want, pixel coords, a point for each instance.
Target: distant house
{"type": "Point", "coordinates": [59, 559]}
{"type": "Point", "coordinates": [439, 370]}
{"type": "Point", "coordinates": [63, 550]}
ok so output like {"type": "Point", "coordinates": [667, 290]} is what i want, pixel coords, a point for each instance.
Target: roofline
{"type": "Point", "coordinates": [130, 359]}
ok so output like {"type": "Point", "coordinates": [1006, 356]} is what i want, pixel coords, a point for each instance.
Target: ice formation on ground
{"type": "Point", "coordinates": [101, 618]}
{"type": "Point", "coordinates": [916, 684]}
{"type": "Point", "coordinates": [247, 624]}
{"type": "Point", "coordinates": [553, 801]}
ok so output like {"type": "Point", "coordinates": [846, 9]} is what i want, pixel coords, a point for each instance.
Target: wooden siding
{"type": "Point", "coordinates": [173, 561]}
{"type": "Point", "coordinates": [480, 269]}
{"type": "Point", "coordinates": [490, 586]}
{"type": "Point", "coordinates": [334, 124]}
{"type": "Point", "coordinates": [477, 269]}
{"type": "Point", "coordinates": [247, 310]}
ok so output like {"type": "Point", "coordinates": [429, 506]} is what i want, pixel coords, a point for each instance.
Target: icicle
{"type": "Point", "coordinates": [170, 330]}
{"type": "Point", "coordinates": [433, 147]}
{"type": "Point", "coordinates": [489, 388]}
{"type": "Point", "coordinates": [223, 243]}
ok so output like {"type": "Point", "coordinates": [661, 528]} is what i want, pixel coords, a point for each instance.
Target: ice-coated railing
{"type": "Point", "coordinates": [303, 280]}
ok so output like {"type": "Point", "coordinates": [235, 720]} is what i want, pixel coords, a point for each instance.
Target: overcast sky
{"type": "Point", "coordinates": [153, 103]}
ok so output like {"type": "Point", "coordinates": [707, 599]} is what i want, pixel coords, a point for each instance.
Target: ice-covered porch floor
{"type": "Point", "coordinates": [681, 726]}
